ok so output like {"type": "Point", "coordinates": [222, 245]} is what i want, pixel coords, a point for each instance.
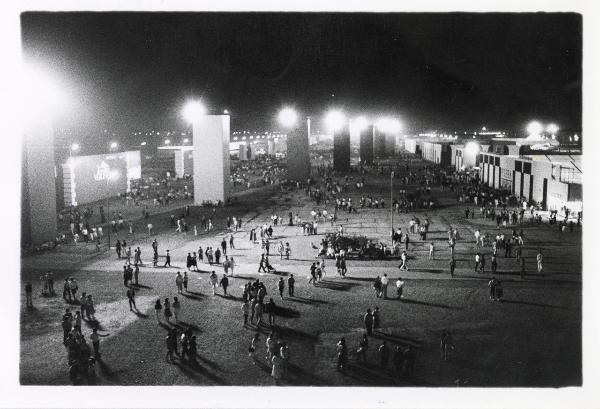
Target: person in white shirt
{"type": "Point", "coordinates": [384, 285]}
{"type": "Point", "coordinates": [399, 287]}
{"type": "Point", "coordinates": [431, 249]}
{"type": "Point", "coordinates": [403, 257]}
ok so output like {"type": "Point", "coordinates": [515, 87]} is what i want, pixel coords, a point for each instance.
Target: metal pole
{"type": "Point", "coordinates": [108, 213]}
{"type": "Point", "coordinates": [391, 202]}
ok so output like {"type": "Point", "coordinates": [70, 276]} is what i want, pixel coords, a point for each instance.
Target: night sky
{"type": "Point", "coordinates": [133, 71]}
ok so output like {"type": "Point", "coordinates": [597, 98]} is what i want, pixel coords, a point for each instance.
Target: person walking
{"type": "Point", "coordinates": [281, 287]}
{"type": "Point", "coordinates": [363, 346]}
{"type": "Point", "coordinates": [452, 266]}
{"type": "Point", "coordinates": [176, 308]}
{"type": "Point", "coordinates": [171, 341]}
{"type": "Point", "coordinates": [313, 274]}
{"type": "Point", "coordinates": [477, 262]}
{"type": "Point", "coordinates": [540, 262]}
{"type": "Point", "coordinates": [131, 298]}
{"type": "Point", "coordinates": [431, 250]}
{"type": "Point", "coordinates": [136, 274]}
{"type": "Point", "coordinates": [342, 354]}
{"type": "Point", "coordinates": [384, 355]}
{"type": "Point", "coordinates": [384, 286]}
{"type": "Point", "coordinates": [167, 310]}
{"type": "Point", "coordinates": [271, 308]}
{"type": "Point", "coordinates": [157, 309]}
{"type": "Point", "coordinates": [376, 319]}
{"type": "Point", "coordinates": [259, 309]}
{"type": "Point", "coordinates": [492, 284]}
{"type": "Point", "coordinates": [224, 283]}
{"type": "Point", "coordinates": [291, 284]}
{"type": "Point", "coordinates": [185, 281]}
{"type": "Point", "coordinates": [168, 259]}
{"type": "Point", "coordinates": [28, 295]}
{"type": "Point", "coordinates": [277, 369]}
{"type": "Point", "coordinates": [522, 266]}
{"type": "Point", "coordinates": [179, 282]}
{"type": "Point", "coordinates": [398, 360]}
{"type": "Point", "coordinates": [368, 322]}
{"type": "Point", "coordinates": [446, 345]}
{"type": "Point", "coordinates": [403, 258]}
{"type": "Point", "coordinates": [245, 311]}
{"type": "Point", "coordinates": [399, 288]}
{"type": "Point", "coordinates": [95, 338]}
{"type": "Point", "coordinates": [494, 263]}
{"type": "Point", "coordinates": [252, 348]}
{"type": "Point", "coordinates": [213, 282]}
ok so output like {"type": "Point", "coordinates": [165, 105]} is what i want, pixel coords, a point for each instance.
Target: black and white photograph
{"type": "Point", "coordinates": [323, 198]}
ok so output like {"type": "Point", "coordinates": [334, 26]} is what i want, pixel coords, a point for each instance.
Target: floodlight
{"type": "Point", "coordinates": [192, 110]}
{"type": "Point", "coordinates": [534, 128]}
{"type": "Point", "coordinates": [287, 117]}
{"type": "Point", "coordinates": [472, 148]}
{"type": "Point", "coordinates": [335, 120]}
{"type": "Point", "coordinates": [552, 128]}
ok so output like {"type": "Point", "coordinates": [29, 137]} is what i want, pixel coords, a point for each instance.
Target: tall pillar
{"type": "Point", "coordinates": [378, 143]}
{"type": "Point", "coordinates": [366, 145]}
{"type": "Point", "coordinates": [298, 154]}
{"type": "Point", "coordinates": [38, 194]}
{"type": "Point", "coordinates": [270, 147]}
{"type": "Point", "coordinates": [179, 163]}
{"type": "Point", "coordinates": [211, 158]}
{"type": "Point", "coordinates": [243, 155]}
{"type": "Point", "coordinates": [341, 149]}
{"type": "Point", "coordinates": [390, 143]}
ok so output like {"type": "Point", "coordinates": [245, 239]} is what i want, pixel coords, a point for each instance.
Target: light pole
{"type": "Point", "coordinates": [391, 202]}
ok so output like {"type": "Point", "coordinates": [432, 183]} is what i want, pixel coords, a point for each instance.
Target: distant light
{"type": "Point", "coordinates": [158, 133]}
{"type": "Point", "coordinates": [74, 147]}
{"type": "Point", "coordinates": [534, 128]}
{"type": "Point", "coordinates": [287, 117]}
{"type": "Point", "coordinates": [576, 137]}
{"type": "Point", "coordinates": [193, 110]}
{"type": "Point", "coordinates": [226, 112]}
{"type": "Point", "coordinates": [143, 144]}
{"type": "Point", "coordinates": [483, 128]}
{"type": "Point", "coordinates": [552, 128]}
{"type": "Point", "coordinates": [167, 141]}
{"type": "Point", "coordinates": [114, 145]}
{"type": "Point", "coordinates": [186, 140]}
{"type": "Point", "coordinates": [472, 148]}
{"type": "Point", "coordinates": [335, 120]}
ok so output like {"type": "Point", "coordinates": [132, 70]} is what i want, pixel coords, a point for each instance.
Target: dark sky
{"type": "Point", "coordinates": [436, 71]}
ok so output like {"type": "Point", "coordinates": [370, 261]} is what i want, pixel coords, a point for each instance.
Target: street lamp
{"type": "Point", "coordinates": [335, 120]}
{"type": "Point", "coordinates": [552, 129]}
{"type": "Point", "coordinates": [114, 145]}
{"type": "Point", "coordinates": [287, 117]}
{"type": "Point", "coordinates": [74, 148]}
{"type": "Point", "coordinates": [192, 110]}
{"type": "Point", "coordinates": [534, 128]}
